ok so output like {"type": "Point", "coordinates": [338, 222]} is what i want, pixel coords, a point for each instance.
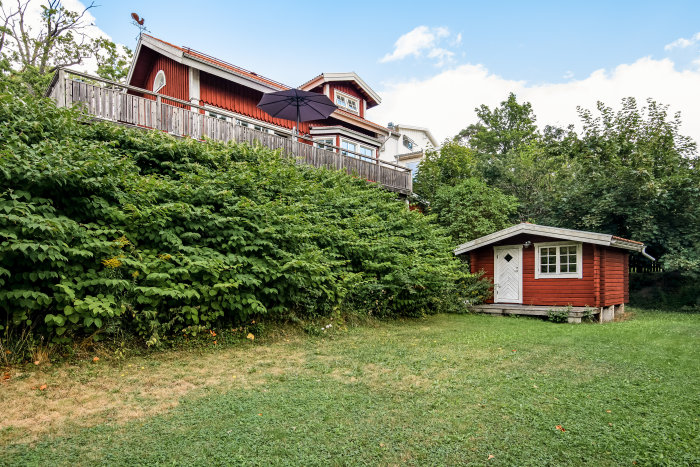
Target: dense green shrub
{"type": "Point", "coordinates": [104, 228]}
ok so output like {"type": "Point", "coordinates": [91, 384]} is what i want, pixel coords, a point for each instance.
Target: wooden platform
{"type": "Point", "coordinates": [575, 315]}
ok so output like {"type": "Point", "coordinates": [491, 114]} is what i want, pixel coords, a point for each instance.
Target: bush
{"type": "Point", "coordinates": [103, 228]}
{"type": "Point", "coordinates": [559, 315]}
{"type": "Point", "coordinates": [472, 209]}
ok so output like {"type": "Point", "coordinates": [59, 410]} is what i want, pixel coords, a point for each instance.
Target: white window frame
{"type": "Point", "coordinates": [550, 275]}
{"type": "Point", "coordinates": [371, 149]}
{"type": "Point", "coordinates": [155, 80]}
{"type": "Point", "coordinates": [349, 141]}
{"type": "Point", "coordinates": [321, 143]}
{"type": "Point", "coordinates": [347, 98]}
{"type": "Point", "coordinates": [210, 113]}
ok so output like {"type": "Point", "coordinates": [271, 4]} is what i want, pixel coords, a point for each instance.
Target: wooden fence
{"type": "Point", "coordinates": [110, 101]}
{"type": "Point", "coordinates": [643, 265]}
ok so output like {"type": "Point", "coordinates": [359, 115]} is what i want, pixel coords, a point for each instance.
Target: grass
{"type": "Point", "coordinates": [444, 390]}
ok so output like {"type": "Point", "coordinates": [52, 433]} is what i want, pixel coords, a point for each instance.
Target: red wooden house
{"type": "Point", "coordinates": [535, 269]}
{"type": "Point", "coordinates": [232, 93]}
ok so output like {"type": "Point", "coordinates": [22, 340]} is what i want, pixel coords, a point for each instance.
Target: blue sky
{"type": "Point", "coordinates": [531, 47]}
{"type": "Point", "coordinates": [521, 40]}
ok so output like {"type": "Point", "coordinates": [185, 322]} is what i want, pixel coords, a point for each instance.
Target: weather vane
{"type": "Point", "coordinates": [138, 22]}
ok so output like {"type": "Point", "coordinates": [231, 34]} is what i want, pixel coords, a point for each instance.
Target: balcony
{"type": "Point", "coordinates": [128, 105]}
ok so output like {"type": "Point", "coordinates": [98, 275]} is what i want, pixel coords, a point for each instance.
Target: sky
{"type": "Point", "coordinates": [434, 62]}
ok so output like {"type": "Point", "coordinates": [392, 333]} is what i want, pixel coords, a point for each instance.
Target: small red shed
{"type": "Point", "coordinates": [536, 268]}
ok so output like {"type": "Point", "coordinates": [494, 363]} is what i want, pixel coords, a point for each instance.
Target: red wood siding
{"type": "Point", "coordinates": [177, 79]}
{"type": "Point", "coordinates": [231, 96]}
{"type": "Point", "coordinates": [605, 278]}
{"type": "Point", "coordinates": [613, 277]}
{"type": "Point", "coordinates": [482, 260]}
{"type": "Point", "coordinates": [558, 291]}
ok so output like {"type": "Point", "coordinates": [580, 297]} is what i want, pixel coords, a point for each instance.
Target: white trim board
{"type": "Point", "coordinates": [553, 232]}
{"type": "Point", "coordinates": [347, 76]}
{"type": "Point", "coordinates": [342, 131]}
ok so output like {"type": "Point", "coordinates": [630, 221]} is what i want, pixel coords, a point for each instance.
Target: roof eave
{"type": "Point", "coordinates": [552, 232]}
{"type": "Point", "coordinates": [347, 76]}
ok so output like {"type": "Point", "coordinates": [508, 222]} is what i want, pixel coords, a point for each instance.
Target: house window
{"type": "Point", "coordinates": [159, 81]}
{"type": "Point", "coordinates": [558, 259]}
{"type": "Point", "coordinates": [347, 102]}
{"type": "Point", "coordinates": [257, 127]}
{"type": "Point", "coordinates": [216, 115]}
{"type": "Point", "coordinates": [348, 146]}
{"type": "Point", "coordinates": [367, 151]}
{"type": "Point", "coordinates": [413, 166]}
{"type": "Point", "coordinates": [408, 142]}
{"type": "Point", "coordinates": [325, 143]}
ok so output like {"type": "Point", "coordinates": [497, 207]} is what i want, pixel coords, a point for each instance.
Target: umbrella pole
{"type": "Point", "coordinates": [297, 129]}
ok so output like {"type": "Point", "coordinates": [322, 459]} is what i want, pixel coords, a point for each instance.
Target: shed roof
{"type": "Point", "coordinates": [553, 232]}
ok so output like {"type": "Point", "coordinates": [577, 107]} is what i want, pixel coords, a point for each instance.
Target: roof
{"type": "Point", "coordinates": [411, 155]}
{"type": "Point", "coordinates": [553, 232]}
{"type": "Point", "coordinates": [348, 76]}
{"type": "Point", "coordinates": [181, 53]}
{"type": "Point", "coordinates": [427, 132]}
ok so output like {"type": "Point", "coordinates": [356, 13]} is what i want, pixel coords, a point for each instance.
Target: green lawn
{"type": "Point", "coordinates": [444, 390]}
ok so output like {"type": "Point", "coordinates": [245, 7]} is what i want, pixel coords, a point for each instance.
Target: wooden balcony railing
{"type": "Point", "coordinates": [110, 101]}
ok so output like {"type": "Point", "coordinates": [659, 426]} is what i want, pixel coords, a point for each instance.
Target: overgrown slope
{"type": "Point", "coordinates": [105, 228]}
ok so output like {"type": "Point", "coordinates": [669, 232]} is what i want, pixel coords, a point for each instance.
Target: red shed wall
{"type": "Point", "coordinates": [614, 276]}
{"type": "Point", "coordinates": [605, 278]}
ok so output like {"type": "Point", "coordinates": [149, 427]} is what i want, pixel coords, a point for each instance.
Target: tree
{"type": "Point", "coordinates": [112, 60]}
{"type": "Point", "coordinates": [472, 209]}
{"type": "Point", "coordinates": [447, 167]}
{"type": "Point", "coordinates": [634, 175]}
{"type": "Point", "coordinates": [501, 130]}
{"type": "Point", "coordinates": [29, 54]}
{"type": "Point", "coordinates": [59, 42]}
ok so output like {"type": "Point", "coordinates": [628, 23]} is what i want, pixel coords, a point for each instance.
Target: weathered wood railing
{"type": "Point", "coordinates": [107, 100]}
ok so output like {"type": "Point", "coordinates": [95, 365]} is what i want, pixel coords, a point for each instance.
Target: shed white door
{"type": "Point", "coordinates": [508, 279]}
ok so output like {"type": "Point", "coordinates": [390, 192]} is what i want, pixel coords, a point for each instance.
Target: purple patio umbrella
{"type": "Point", "coordinates": [295, 104]}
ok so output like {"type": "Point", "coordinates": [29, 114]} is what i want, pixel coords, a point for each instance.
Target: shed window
{"type": "Point", "coordinates": [558, 259]}
{"type": "Point", "coordinates": [159, 81]}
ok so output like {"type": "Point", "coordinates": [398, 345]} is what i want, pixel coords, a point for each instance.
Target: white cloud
{"type": "Point", "coordinates": [568, 75]}
{"type": "Point", "coordinates": [420, 40]}
{"type": "Point", "coordinates": [445, 102]}
{"type": "Point", "coordinates": [442, 55]}
{"type": "Point", "coordinates": [683, 43]}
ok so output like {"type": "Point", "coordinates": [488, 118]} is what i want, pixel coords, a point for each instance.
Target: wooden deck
{"type": "Point", "coordinates": [575, 315]}
{"type": "Point", "coordinates": [114, 102]}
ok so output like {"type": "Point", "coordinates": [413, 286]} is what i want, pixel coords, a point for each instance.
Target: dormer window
{"type": "Point", "coordinates": [347, 102]}
{"type": "Point", "coordinates": [159, 81]}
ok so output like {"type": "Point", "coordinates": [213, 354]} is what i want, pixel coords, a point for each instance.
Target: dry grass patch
{"type": "Point", "coordinates": [90, 394]}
